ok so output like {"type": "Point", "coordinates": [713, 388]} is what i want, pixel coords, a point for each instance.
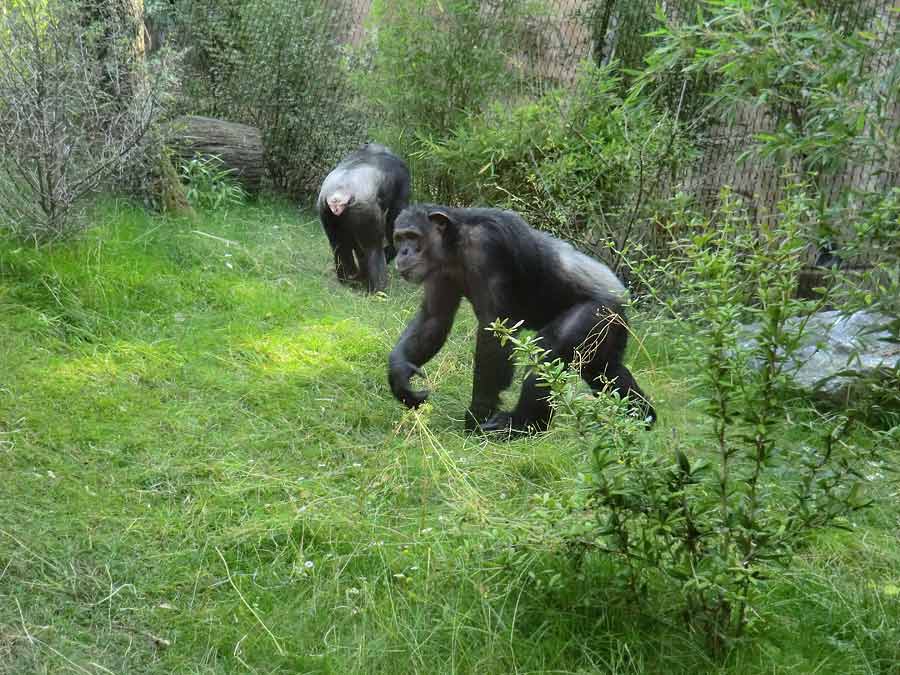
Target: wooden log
{"type": "Point", "coordinates": [239, 146]}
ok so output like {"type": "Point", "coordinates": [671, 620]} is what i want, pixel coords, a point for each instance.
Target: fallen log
{"type": "Point", "coordinates": [239, 146]}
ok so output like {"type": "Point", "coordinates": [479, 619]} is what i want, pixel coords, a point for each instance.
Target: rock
{"type": "Point", "coordinates": [833, 343]}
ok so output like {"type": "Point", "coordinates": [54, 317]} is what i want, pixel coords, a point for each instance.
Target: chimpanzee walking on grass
{"type": "Point", "coordinates": [507, 269]}
{"type": "Point", "coordinates": [358, 203]}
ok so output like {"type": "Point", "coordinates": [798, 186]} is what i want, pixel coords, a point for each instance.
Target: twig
{"type": "Point", "coordinates": [22, 619]}
{"type": "Point", "coordinates": [19, 542]}
{"type": "Point", "coordinates": [212, 236]}
{"type": "Point", "coordinates": [247, 604]}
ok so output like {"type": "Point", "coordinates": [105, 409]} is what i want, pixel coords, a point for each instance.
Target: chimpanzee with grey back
{"type": "Point", "coordinates": [358, 203]}
{"type": "Point", "coordinates": [507, 269]}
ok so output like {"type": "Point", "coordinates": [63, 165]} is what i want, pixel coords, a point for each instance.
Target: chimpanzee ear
{"type": "Point", "coordinates": [442, 221]}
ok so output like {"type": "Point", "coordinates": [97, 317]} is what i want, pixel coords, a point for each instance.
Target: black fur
{"type": "Point", "coordinates": [507, 269]}
{"type": "Point", "coordinates": [377, 183]}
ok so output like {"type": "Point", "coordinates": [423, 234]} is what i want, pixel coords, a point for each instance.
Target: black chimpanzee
{"type": "Point", "coordinates": [507, 270]}
{"type": "Point", "coordinates": [358, 203]}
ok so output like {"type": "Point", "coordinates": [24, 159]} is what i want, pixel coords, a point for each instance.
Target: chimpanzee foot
{"type": "Point", "coordinates": [511, 424]}
{"type": "Point", "coordinates": [350, 277]}
{"type": "Point", "coordinates": [475, 419]}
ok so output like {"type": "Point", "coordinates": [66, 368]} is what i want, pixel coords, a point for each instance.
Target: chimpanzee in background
{"type": "Point", "coordinates": [507, 270]}
{"type": "Point", "coordinates": [358, 203]}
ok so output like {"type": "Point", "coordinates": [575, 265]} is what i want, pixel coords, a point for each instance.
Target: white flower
{"type": "Point", "coordinates": [309, 564]}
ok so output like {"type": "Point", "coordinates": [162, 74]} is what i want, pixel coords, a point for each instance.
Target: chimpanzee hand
{"type": "Point", "coordinates": [399, 374]}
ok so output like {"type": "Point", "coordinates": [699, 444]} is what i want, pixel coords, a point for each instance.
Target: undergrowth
{"type": "Point", "coordinates": [204, 472]}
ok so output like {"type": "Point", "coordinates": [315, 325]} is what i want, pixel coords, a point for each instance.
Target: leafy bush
{"type": "Point", "coordinates": [76, 100]}
{"type": "Point", "coordinates": [209, 185]}
{"type": "Point", "coordinates": [872, 234]}
{"type": "Point", "coordinates": [429, 66]}
{"type": "Point", "coordinates": [293, 82]}
{"type": "Point", "coordinates": [712, 519]}
{"type": "Point", "coordinates": [580, 163]}
{"type": "Point", "coordinates": [832, 90]}
{"type": "Point", "coordinates": [433, 64]}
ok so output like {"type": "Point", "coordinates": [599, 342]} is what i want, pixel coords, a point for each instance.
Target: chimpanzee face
{"type": "Point", "coordinates": [423, 239]}
{"type": "Point", "coordinates": [412, 258]}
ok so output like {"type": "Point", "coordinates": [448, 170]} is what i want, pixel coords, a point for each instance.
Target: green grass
{"type": "Point", "coordinates": [203, 471]}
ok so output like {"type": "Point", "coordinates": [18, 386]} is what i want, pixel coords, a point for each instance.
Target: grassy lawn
{"type": "Point", "coordinates": [203, 471]}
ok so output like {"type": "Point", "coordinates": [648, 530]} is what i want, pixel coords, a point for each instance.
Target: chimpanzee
{"type": "Point", "coordinates": [507, 270]}
{"type": "Point", "coordinates": [358, 203]}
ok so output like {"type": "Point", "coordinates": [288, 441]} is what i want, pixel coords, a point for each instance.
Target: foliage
{"type": "Point", "coordinates": [432, 65]}
{"type": "Point", "coordinates": [716, 520]}
{"type": "Point", "coordinates": [429, 66]}
{"type": "Point", "coordinates": [277, 65]}
{"type": "Point", "coordinates": [76, 100]}
{"type": "Point", "coordinates": [294, 82]}
{"type": "Point", "coordinates": [209, 185]}
{"type": "Point", "coordinates": [579, 163]}
{"type": "Point", "coordinates": [832, 90]}
{"type": "Point", "coordinates": [621, 28]}
{"type": "Point", "coordinates": [872, 233]}
{"type": "Point", "coordinates": [829, 75]}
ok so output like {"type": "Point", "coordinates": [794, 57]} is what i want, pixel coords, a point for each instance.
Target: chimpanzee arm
{"type": "Point", "coordinates": [422, 339]}
{"type": "Point", "coordinates": [493, 373]}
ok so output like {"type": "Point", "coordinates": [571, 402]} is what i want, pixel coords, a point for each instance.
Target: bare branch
{"type": "Point", "coordinates": [75, 105]}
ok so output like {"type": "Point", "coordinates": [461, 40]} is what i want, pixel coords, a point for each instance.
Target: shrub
{"type": "Point", "coordinates": [433, 64]}
{"type": "Point", "coordinates": [713, 517]}
{"type": "Point", "coordinates": [830, 86]}
{"type": "Point", "coordinates": [429, 66]}
{"type": "Point", "coordinates": [293, 82]}
{"type": "Point", "coordinates": [209, 185]}
{"type": "Point", "coordinates": [580, 163]}
{"type": "Point", "coordinates": [76, 99]}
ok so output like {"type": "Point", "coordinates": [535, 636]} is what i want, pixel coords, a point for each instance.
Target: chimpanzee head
{"type": "Point", "coordinates": [423, 237]}
{"type": "Point", "coordinates": [338, 201]}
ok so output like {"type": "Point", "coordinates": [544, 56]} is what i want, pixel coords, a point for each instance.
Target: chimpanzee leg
{"type": "Point", "coordinates": [388, 219]}
{"type": "Point", "coordinates": [342, 248]}
{"type": "Point", "coordinates": [393, 211]}
{"type": "Point", "coordinates": [492, 374]}
{"type": "Point", "coordinates": [376, 270]}
{"type": "Point", "coordinates": [389, 251]}
{"type": "Point", "coordinates": [591, 332]}
{"type": "Point", "coordinates": [602, 367]}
